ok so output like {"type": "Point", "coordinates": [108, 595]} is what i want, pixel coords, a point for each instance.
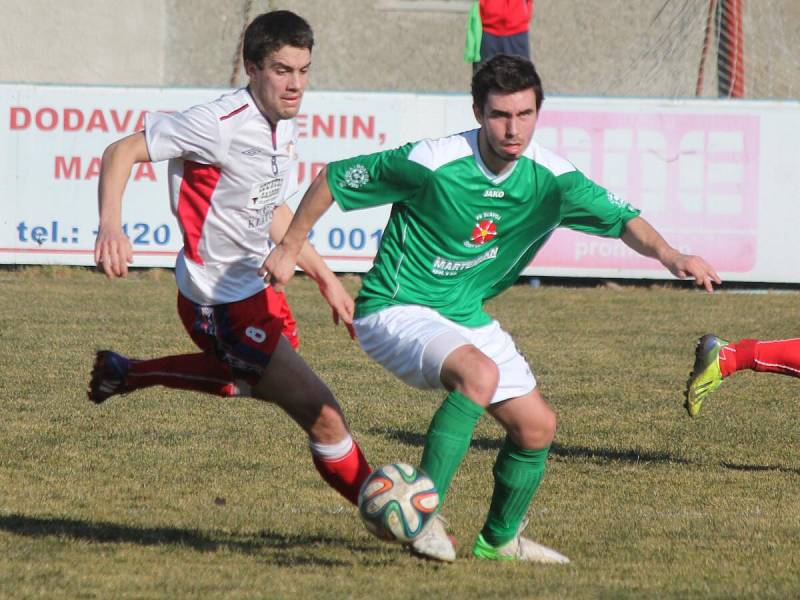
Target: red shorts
{"type": "Point", "coordinates": [243, 334]}
{"type": "Point", "coordinates": [278, 307]}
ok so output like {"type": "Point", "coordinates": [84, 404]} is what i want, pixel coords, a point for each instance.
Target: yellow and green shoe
{"type": "Point", "coordinates": [706, 375]}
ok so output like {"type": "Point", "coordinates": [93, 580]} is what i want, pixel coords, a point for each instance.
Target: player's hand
{"type": "Point", "coordinates": [113, 252]}
{"type": "Point", "coordinates": [687, 265]}
{"type": "Point", "coordinates": [341, 303]}
{"type": "Point", "coordinates": [278, 268]}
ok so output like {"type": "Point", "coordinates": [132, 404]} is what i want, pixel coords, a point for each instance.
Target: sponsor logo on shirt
{"type": "Point", "coordinates": [485, 228]}
{"type": "Point", "coordinates": [494, 193]}
{"type": "Point", "coordinates": [252, 151]}
{"type": "Point", "coordinates": [356, 177]}
{"type": "Point", "coordinates": [264, 197]}
{"type": "Point", "coordinates": [265, 193]}
{"type": "Point", "coordinates": [448, 267]}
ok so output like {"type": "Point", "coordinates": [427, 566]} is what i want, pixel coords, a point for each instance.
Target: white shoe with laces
{"type": "Point", "coordinates": [519, 548]}
{"type": "Point", "coordinates": [435, 543]}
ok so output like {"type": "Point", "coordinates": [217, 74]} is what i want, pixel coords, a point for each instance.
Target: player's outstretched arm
{"type": "Point", "coordinates": [644, 239]}
{"type": "Point", "coordinates": [112, 248]}
{"type": "Point", "coordinates": [314, 266]}
{"type": "Point", "coordinates": [279, 265]}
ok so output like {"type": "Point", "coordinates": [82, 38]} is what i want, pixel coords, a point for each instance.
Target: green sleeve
{"type": "Point", "coordinates": [590, 208]}
{"type": "Point", "coordinates": [371, 180]}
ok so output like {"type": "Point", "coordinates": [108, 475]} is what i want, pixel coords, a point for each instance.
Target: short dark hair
{"type": "Point", "coordinates": [272, 31]}
{"type": "Point", "coordinates": [506, 74]}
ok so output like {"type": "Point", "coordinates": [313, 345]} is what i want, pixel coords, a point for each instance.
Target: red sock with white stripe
{"type": "Point", "coordinates": [764, 356]}
{"type": "Point", "coordinates": [342, 465]}
{"type": "Point", "coordinates": [201, 372]}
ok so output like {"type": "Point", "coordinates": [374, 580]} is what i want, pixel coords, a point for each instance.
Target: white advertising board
{"type": "Point", "coordinates": [717, 178]}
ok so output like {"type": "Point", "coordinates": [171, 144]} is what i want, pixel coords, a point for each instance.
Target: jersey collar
{"type": "Point", "coordinates": [472, 139]}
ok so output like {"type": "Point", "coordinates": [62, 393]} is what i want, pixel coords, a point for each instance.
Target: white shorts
{"type": "Point", "coordinates": [412, 342]}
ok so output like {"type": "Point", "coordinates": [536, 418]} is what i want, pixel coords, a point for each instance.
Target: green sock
{"type": "Point", "coordinates": [448, 438]}
{"type": "Point", "coordinates": [517, 475]}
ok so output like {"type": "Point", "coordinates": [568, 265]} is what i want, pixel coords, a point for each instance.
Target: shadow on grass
{"type": "Point", "coordinates": [410, 438]}
{"type": "Point", "coordinates": [735, 467]}
{"type": "Point", "coordinates": [282, 548]}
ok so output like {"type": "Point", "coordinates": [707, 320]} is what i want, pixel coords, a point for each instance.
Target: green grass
{"type": "Point", "coordinates": [168, 494]}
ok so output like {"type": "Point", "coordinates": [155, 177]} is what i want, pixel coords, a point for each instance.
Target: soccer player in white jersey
{"type": "Point", "coordinates": [232, 166]}
{"type": "Point", "coordinates": [469, 212]}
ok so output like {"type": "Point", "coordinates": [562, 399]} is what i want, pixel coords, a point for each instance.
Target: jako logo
{"type": "Point", "coordinates": [494, 194]}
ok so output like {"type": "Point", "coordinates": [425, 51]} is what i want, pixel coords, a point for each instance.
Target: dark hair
{"type": "Point", "coordinates": [506, 74]}
{"type": "Point", "coordinates": [272, 31]}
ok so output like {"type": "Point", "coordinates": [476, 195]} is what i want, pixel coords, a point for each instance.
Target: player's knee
{"type": "Point", "coordinates": [472, 373]}
{"type": "Point", "coordinates": [480, 379]}
{"type": "Point", "coordinates": [549, 425]}
{"type": "Point", "coordinates": [539, 432]}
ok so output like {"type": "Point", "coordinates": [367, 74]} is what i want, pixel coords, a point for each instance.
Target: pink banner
{"type": "Point", "coordinates": [695, 177]}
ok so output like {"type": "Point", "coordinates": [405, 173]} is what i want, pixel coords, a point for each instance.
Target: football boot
{"type": "Point", "coordinates": [706, 375]}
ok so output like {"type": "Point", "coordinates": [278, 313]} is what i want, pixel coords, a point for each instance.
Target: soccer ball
{"type": "Point", "coordinates": [397, 502]}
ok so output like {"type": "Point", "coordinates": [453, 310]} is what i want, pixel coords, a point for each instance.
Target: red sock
{"type": "Point", "coordinates": [201, 372]}
{"type": "Point", "coordinates": [777, 356]}
{"type": "Point", "coordinates": [345, 474]}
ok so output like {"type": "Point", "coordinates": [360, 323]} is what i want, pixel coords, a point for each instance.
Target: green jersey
{"type": "Point", "coordinates": [458, 234]}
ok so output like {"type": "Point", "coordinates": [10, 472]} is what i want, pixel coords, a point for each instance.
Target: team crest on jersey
{"type": "Point", "coordinates": [485, 229]}
{"type": "Point", "coordinates": [483, 232]}
{"type": "Point", "coordinates": [356, 177]}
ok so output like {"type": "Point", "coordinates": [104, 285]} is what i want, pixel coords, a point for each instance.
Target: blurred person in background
{"type": "Point", "coordinates": [498, 27]}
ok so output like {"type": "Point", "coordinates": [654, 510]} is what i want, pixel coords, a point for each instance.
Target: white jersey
{"type": "Point", "coordinates": [228, 170]}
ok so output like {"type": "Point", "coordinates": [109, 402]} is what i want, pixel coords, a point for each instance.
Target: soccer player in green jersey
{"type": "Point", "coordinates": [469, 212]}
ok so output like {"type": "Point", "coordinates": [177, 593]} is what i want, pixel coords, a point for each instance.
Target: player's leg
{"type": "Point", "coordinates": [716, 359]}
{"type": "Point", "coordinates": [471, 378]}
{"type": "Point", "coordinates": [763, 356]}
{"type": "Point", "coordinates": [114, 373]}
{"type": "Point", "coordinates": [530, 425]}
{"type": "Point", "coordinates": [427, 351]}
{"type": "Point", "coordinates": [243, 339]}
{"type": "Point", "coordinates": [291, 384]}
{"type": "Point", "coordinates": [249, 338]}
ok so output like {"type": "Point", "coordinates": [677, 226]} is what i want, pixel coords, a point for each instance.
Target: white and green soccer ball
{"type": "Point", "coordinates": [397, 502]}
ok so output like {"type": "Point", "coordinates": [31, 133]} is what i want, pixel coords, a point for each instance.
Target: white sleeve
{"type": "Point", "coordinates": [192, 135]}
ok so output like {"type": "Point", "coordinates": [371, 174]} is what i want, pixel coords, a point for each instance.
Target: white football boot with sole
{"type": "Point", "coordinates": [435, 543]}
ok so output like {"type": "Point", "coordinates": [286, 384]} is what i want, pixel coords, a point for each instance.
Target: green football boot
{"type": "Point", "coordinates": [706, 375]}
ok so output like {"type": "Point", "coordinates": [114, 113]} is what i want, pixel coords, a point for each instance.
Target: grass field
{"type": "Point", "coordinates": [166, 494]}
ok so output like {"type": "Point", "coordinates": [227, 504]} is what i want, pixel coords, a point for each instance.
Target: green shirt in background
{"type": "Point", "coordinates": [458, 234]}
